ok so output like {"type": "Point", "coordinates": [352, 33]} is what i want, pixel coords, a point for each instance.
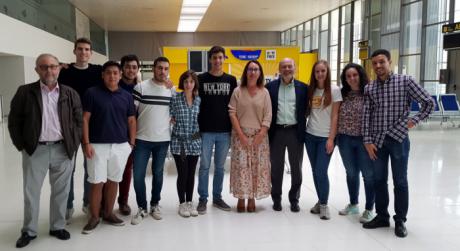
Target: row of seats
{"type": "Point", "coordinates": [447, 108]}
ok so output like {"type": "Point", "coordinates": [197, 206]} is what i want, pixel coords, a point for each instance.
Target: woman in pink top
{"type": "Point", "coordinates": [251, 115]}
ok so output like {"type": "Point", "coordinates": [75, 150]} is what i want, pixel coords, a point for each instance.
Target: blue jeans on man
{"type": "Point", "coordinates": [142, 152]}
{"type": "Point", "coordinates": [221, 141]}
{"type": "Point", "coordinates": [398, 154]}
{"type": "Point", "coordinates": [356, 159]}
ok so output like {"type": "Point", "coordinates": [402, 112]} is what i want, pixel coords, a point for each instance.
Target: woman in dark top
{"type": "Point", "coordinates": [350, 141]}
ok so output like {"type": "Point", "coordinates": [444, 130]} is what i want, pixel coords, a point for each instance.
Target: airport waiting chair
{"type": "Point", "coordinates": [437, 114]}
{"type": "Point", "coordinates": [414, 108]}
{"type": "Point", "coordinates": [450, 106]}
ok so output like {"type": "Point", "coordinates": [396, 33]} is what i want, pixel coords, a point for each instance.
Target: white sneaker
{"type": "Point", "coordinates": [183, 210]}
{"type": "Point", "coordinates": [137, 218]}
{"type": "Point", "coordinates": [324, 212]}
{"type": "Point", "coordinates": [192, 209]}
{"type": "Point", "coordinates": [155, 212]}
{"type": "Point", "coordinates": [350, 209]}
{"type": "Point", "coordinates": [367, 216]}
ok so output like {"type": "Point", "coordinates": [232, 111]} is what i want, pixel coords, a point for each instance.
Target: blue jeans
{"type": "Point", "coordinates": [319, 161]}
{"type": "Point", "coordinates": [355, 159]}
{"type": "Point", "coordinates": [142, 152]}
{"type": "Point", "coordinates": [86, 185]}
{"type": "Point", "coordinates": [398, 153]}
{"type": "Point", "coordinates": [222, 145]}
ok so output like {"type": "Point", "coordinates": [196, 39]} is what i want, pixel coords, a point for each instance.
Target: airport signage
{"type": "Point", "coordinates": [246, 54]}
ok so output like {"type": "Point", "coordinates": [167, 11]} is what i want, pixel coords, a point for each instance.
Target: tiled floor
{"type": "Point", "coordinates": [433, 220]}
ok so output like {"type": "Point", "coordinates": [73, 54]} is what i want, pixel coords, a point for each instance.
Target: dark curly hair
{"type": "Point", "coordinates": [363, 79]}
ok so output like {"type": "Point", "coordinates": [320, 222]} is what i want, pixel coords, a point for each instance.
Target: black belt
{"type": "Point", "coordinates": [48, 143]}
{"type": "Point", "coordinates": [286, 126]}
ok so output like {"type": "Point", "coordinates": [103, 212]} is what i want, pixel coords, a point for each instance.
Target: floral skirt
{"type": "Point", "coordinates": [250, 167]}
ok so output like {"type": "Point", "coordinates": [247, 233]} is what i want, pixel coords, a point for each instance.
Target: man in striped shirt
{"type": "Point", "coordinates": [385, 129]}
{"type": "Point", "coordinates": [152, 98]}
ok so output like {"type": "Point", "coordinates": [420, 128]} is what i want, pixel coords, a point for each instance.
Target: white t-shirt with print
{"type": "Point", "coordinates": [319, 122]}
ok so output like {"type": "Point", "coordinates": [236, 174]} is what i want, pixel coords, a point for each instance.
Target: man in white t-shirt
{"type": "Point", "coordinates": [152, 98]}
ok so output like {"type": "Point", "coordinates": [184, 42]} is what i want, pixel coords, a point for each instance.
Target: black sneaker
{"type": "Point", "coordinates": [201, 208]}
{"type": "Point", "coordinates": [295, 207]}
{"type": "Point", "coordinates": [277, 206]}
{"type": "Point", "coordinates": [220, 203]}
{"type": "Point", "coordinates": [24, 240]}
{"type": "Point", "coordinates": [61, 234]}
{"type": "Point", "coordinates": [400, 229]}
{"type": "Point", "coordinates": [376, 223]}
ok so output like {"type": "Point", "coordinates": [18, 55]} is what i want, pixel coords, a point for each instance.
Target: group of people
{"type": "Point", "coordinates": [121, 123]}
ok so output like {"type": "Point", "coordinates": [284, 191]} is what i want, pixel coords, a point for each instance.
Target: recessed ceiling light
{"type": "Point", "coordinates": [191, 14]}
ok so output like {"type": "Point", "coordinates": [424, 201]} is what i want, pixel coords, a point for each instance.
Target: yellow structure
{"type": "Point", "coordinates": [269, 59]}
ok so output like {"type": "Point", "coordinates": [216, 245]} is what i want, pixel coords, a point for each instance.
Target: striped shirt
{"type": "Point", "coordinates": [186, 125]}
{"type": "Point", "coordinates": [387, 105]}
{"type": "Point", "coordinates": [152, 101]}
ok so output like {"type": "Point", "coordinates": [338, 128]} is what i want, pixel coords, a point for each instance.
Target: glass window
{"type": "Point", "coordinates": [412, 28]}
{"type": "Point", "coordinates": [323, 45]}
{"type": "Point", "coordinates": [391, 43]}
{"type": "Point", "coordinates": [306, 43]}
{"type": "Point", "coordinates": [307, 37]}
{"type": "Point", "coordinates": [410, 65]}
{"type": "Point", "coordinates": [376, 6]}
{"type": "Point", "coordinates": [307, 29]}
{"type": "Point", "coordinates": [334, 27]}
{"type": "Point", "coordinates": [438, 11]}
{"type": "Point", "coordinates": [434, 88]}
{"type": "Point", "coordinates": [391, 15]}
{"type": "Point", "coordinates": [358, 22]}
{"type": "Point", "coordinates": [282, 38]}
{"type": "Point", "coordinates": [315, 34]}
{"type": "Point", "coordinates": [333, 63]}
{"type": "Point", "coordinates": [293, 36]}
{"type": "Point", "coordinates": [375, 32]}
{"type": "Point", "coordinates": [435, 56]}
{"type": "Point", "coordinates": [288, 37]}
{"type": "Point", "coordinates": [300, 36]}
{"type": "Point", "coordinates": [457, 11]}
{"type": "Point", "coordinates": [346, 13]}
{"type": "Point", "coordinates": [324, 21]}
{"type": "Point", "coordinates": [345, 43]}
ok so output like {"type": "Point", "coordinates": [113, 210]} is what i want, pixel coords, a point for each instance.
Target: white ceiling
{"type": "Point", "coordinates": [222, 15]}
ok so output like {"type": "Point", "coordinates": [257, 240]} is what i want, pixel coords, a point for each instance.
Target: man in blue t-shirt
{"type": "Point", "coordinates": [109, 128]}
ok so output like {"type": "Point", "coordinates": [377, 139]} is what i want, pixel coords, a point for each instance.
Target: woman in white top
{"type": "Point", "coordinates": [324, 102]}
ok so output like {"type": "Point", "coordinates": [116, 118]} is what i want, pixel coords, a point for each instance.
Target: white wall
{"type": "Point", "coordinates": [20, 44]}
{"type": "Point", "coordinates": [12, 76]}
{"type": "Point", "coordinates": [21, 39]}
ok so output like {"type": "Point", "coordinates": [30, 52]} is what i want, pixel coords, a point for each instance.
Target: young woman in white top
{"type": "Point", "coordinates": [324, 102]}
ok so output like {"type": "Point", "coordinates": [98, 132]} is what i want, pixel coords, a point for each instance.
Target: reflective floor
{"type": "Point", "coordinates": [433, 220]}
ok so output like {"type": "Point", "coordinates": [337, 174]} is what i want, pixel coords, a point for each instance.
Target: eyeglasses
{"type": "Point", "coordinates": [46, 67]}
{"type": "Point", "coordinates": [253, 69]}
